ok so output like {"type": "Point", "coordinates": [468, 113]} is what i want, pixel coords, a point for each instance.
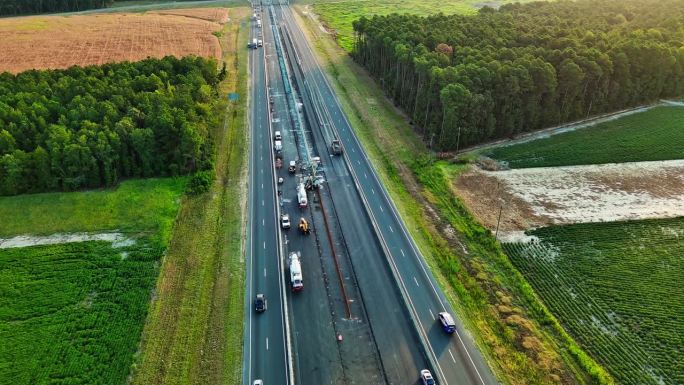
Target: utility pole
{"type": "Point", "coordinates": [458, 138]}
{"type": "Point", "coordinates": [498, 221]}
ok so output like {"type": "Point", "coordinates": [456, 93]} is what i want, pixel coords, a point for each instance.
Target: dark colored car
{"type": "Point", "coordinates": [260, 303]}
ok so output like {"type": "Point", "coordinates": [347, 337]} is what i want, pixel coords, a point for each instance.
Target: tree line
{"type": "Point", "coordinates": [62, 130]}
{"type": "Point", "coordinates": [468, 79]}
{"type": "Point", "coordinates": [23, 7]}
{"type": "Point", "coordinates": [27, 7]}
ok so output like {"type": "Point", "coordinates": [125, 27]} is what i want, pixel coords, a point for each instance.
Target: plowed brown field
{"type": "Point", "coordinates": [42, 42]}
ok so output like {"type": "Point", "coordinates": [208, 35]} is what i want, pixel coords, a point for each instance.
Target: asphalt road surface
{"type": "Point", "coordinates": [265, 345]}
{"type": "Point", "coordinates": [454, 359]}
{"type": "Point", "coordinates": [394, 298]}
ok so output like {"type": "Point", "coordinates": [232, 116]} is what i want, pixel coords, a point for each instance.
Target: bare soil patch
{"type": "Point", "coordinates": [537, 197]}
{"type": "Point", "coordinates": [51, 42]}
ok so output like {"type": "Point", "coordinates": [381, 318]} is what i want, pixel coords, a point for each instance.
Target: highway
{"type": "Point", "coordinates": [265, 353]}
{"type": "Point", "coordinates": [454, 359]}
{"type": "Point", "coordinates": [364, 278]}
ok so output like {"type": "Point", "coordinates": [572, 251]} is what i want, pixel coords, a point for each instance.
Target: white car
{"type": "Point", "coordinates": [447, 322]}
{"type": "Point", "coordinates": [258, 382]}
{"type": "Point", "coordinates": [285, 221]}
{"type": "Point", "coordinates": [427, 378]}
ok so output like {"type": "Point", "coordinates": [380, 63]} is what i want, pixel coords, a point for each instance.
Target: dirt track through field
{"type": "Point", "coordinates": [43, 42]}
{"type": "Point", "coordinates": [536, 197]}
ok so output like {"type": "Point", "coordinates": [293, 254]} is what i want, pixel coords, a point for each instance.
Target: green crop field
{"type": "Point", "coordinates": [617, 288]}
{"type": "Point", "coordinates": [73, 313]}
{"type": "Point", "coordinates": [657, 134]}
{"type": "Point", "coordinates": [339, 15]}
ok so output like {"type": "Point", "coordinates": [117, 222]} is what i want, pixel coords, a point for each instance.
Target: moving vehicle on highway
{"type": "Point", "coordinates": [252, 44]}
{"type": "Point", "coordinates": [277, 136]}
{"type": "Point", "coordinates": [427, 378]}
{"type": "Point", "coordinates": [278, 145]}
{"type": "Point", "coordinates": [258, 382]}
{"type": "Point", "coordinates": [260, 304]}
{"type": "Point", "coordinates": [336, 147]}
{"type": "Point", "coordinates": [304, 226]}
{"type": "Point", "coordinates": [260, 43]}
{"type": "Point", "coordinates": [285, 220]}
{"type": "Point", "coordinates": [296, 280]}
{"type": "Point", "coordinates": [301, 196]}
{"type": "Point", "coordinates": [447, 322]}
{"type": "Point", "coordinates": [293, 167]}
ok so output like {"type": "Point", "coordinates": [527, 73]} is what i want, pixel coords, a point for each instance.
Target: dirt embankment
{"type": "Point", "coordinates": [536, 197]}
{"type": "Point", "coordinates": [51, 42]}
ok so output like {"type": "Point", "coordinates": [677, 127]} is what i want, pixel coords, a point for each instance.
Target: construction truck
{"type": "Point", "coordinates": [336, 147]}
{"type": "Point", "coordinates": [301, 196]}
{"type": "Point", "coordinates": [296, 281]}
{"type": "Point", "coordinates": [304, 226]}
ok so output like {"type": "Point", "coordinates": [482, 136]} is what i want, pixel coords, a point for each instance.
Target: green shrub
{"type": "Point", "coordinates": [201, 182]}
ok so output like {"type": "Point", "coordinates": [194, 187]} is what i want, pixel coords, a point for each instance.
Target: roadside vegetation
{"type": "Point", "coordinates": [89, 127]}
{"type": "Point", "coordinates": [463, 80]}
{"type": "Point", "coordinates": [616, 286]}
{"type": "Point", "coordinates": [656, 134]}
{"type": "Point", "coordinates": [194, 330]}
{"type": "Point", "coordinates": [519, 338]}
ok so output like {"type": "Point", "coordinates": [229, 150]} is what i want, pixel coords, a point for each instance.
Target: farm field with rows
{"type": "Point", "coordinates": [656, 134]}
{"type": "Point", "coordinates": [339, 15]}
{"type": "Point", "coordinates": [74, 312]}
{"type": "Point", "coordinates": [616, 287]}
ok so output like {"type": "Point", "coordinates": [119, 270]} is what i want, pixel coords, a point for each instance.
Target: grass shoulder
{"type": "Point", "coordinates": [522, 341]}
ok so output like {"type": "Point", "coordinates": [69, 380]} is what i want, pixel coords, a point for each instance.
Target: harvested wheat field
{"type": "Point", "coordinates": [43, 42]}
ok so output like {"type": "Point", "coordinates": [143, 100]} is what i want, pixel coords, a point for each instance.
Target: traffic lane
{"type": "Point", "coordinates": [316, 358]}
{"type": "Point", "coordinates": [268, 339]}
{"type": "Point", "coordinates": [395, 334]}
{"type": "Point", "coordinates": [390, 324]}
{"type": "Point", "coordinates": [420, 290]}
{"type": "Point", "coordinates": [426, 321]}
{"type": "Point", "coordinates": [420, 286]}
{"type": "Point", "coordinates": [392, 225]}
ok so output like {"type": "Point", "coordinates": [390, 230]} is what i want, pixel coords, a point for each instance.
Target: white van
{"type": "Point", "coordinates": [278, 145]}
{"type": "Point", "coordinates": [277, 136]}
